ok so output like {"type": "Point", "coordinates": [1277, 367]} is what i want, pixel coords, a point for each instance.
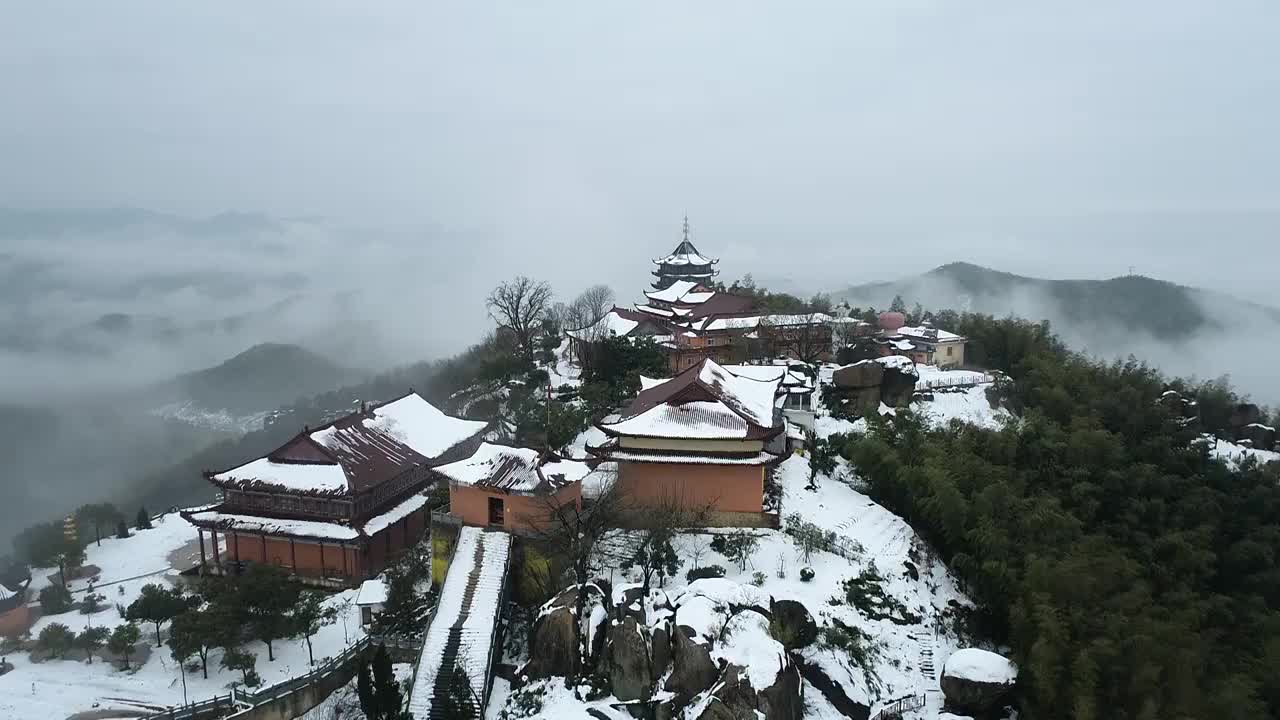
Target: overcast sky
{"type": "Point", "coordinates": [782, 128]}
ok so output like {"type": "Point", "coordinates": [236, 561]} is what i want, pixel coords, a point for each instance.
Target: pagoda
{"type": "Point", "coordinates": [684, 263]}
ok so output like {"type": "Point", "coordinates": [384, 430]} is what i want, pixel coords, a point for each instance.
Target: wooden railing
{"type": "Point", "coordinates": [970, 380]}
{"type": "Point", "coordinates": [897, 707]}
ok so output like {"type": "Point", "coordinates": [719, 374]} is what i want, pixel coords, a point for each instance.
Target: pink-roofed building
{"type": "Point", "coordinates": [510, 488]}
{"type": "Point", "coordinates": [335, 503]}
{"type": "Point", "coordinates": [704, 440]}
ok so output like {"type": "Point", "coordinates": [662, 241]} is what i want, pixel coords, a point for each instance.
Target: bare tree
{"type": "Point", "coordinates": [579, 533]}
{"type": "Point", "coordinates": [594, 303]}
{"type": "Point", "coordinates": [654, 552]}
{"type": "Point", "coordinates": [519, 307]}
{"type": "Point", "coordinates": [805, 336]}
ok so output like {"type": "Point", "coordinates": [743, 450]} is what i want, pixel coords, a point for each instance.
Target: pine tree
{"type": "Point", "coordinates": [143, 521]}
{"type": "Point", "coordinates": [122, 530]}
{"type": "Point", "coordinates": [56, 639]}
{"type": "Point", "coordinates": [122, 641]}
{"type": "Point", "coordinates": [309, 615]}
{"type": "Point", "coordinates": [364, 691]}
{"type": "Point", "coordinates": [242, 660]}
{"type": "Point", "coordinates": [385, 687]}
{"type": "Point", "coordinates": [269, 597]}
{"type": "Point", "coordinates": [91, 639]}
{"type": "Point", "coordinates": [195, 632]}
{"type": "Point", "coordinates": [898, 305]}
{"type": "Point", "coordinates": [157, 605]}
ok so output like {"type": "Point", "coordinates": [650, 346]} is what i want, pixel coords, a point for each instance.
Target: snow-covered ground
{"type": "Point", "coordinates": [1234, 454]}
{"type": "Point", "coordinates": [55, 689]}
{"type": "Point", "coordinates": [219, 420]}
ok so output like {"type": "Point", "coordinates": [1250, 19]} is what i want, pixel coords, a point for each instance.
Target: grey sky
{"type": "Point", "coordinates": [591, 126]}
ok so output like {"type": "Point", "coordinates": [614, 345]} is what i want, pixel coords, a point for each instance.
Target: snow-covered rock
{"type": "Point", "coordinates": [975, 680]}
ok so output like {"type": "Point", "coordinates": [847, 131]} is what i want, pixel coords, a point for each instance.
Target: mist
{"type": "Point", "coordinates": [184, 182]}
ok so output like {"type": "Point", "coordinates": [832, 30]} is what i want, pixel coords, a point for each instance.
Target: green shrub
{"type": "Point", "coordinates": [806, 574]}
{"type": "Point", "coordinates": [710, 571]}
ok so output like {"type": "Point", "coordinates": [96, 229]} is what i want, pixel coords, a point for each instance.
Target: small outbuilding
{"type": "Point", "coordinates": [371, 599]}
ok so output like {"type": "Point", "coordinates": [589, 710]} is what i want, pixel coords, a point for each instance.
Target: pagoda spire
{"type": "Point", "coordinates": [686, 227]}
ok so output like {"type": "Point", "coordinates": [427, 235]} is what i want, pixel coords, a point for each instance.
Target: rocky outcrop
{"type": "Point", "coordinates": [691, 668]}
{"type": "Point", "coordinates": [627, 660]}
{"type": "Point", "coordinates": [1261, 437]}
{"type": "Point", "coordinates": [976, 680]}
{"type": "Point", "coordinates": [792, 625]}
{"type": "Point", "coordinates": [554, 650]}
{"type": "Point", "coordinates": [863, 385]}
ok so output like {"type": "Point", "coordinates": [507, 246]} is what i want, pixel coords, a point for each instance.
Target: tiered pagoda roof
{"type": "Point", "coordinates": [684, 263]}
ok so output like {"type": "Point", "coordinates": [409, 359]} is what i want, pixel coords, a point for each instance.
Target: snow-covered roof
{"type": "Point", "coordinates": [672, 292]}
{"type": "Point", "coordinates": [356, 452]}
{"type": "Point", "coordinates": [307, 477]}
{"type": "Point", "coordinates": [613, 452]}
{"type": "Point", "coordinates": [6, 593]}
{"type": "Point", "coordinates": [752, 398]}
{"type": "Point", "coordinates": [686, 254]}
{"type": "Point", "coordinates": [378, 523]}
{"type": "Point", "coordinates": [510, 469]}
{"type": "Point", "coordinates": [274, 526]}
{"type": "Point", "coordinates": [423, 427]}
{"type": "Point", "coordinates": [613, 323]}
{"type": "Point", "coordinates": [922, 332]}
{"type": "Point", "coordinates": [702, 420]}
{"type": "Point", "coordinates": [648, 382]}
{"type": "Point", "coordinates": [660, 312]}
{"type": "Point", "coordinates": [372, 592]}
{"type": "Point", "coordinates": [705, 401]}
{"type": "Point", "coordinates": [712, 324]}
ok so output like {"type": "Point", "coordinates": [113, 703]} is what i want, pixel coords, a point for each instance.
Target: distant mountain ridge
{"type": "Point", "coordinates": [261, 378]}
{"type": "Point", "coordinates": [1165, 310]}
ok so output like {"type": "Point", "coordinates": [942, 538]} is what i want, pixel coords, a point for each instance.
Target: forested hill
{"type": "Point", "coordinates": [261, 378]}
{"type": "Point", "coordinates": [1132, 573]}
{"type": "Point", "coordinates": [1165, 310]}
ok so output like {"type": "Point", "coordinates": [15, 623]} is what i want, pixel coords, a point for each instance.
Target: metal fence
{"type": "Point", "coordinates": [897, 707]}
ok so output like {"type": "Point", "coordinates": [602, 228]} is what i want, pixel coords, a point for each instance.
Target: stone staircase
{"type": "Point", "coordinates": [449, 659]}
{"type": "Point", "coordinates": [464, 629]}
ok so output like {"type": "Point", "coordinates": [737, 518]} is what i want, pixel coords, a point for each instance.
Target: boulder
{"type": "Point", "coordinates": [1244, 414]}
{"type": "Point", "coordinates": [691, 670]}
{"type": "Point", "coordinates": [779, 701]}
{"type": "Point", "coordinates": [862, 400]}
{"type": "Point", "coordinates": [627, 660]}
{"type": "Point", "coordinates": [1261, 436]}
{"type": "Point", "coordinates": [976, 680]}
{"type": "Point", "coordinates": [554, 650]}
{"type": "Point", "coordinates": [864, 374]}
{"type": "Point", "coordinates": [898, 386]}
{"type": "Point", "coordinates": [660, 650]}
{"type": "Point", "coordinates": [716, 710]}
{"type": "Point", "coordinates": [792, 625]}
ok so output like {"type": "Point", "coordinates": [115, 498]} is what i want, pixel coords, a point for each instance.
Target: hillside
{"type": "Point", "coordinates": [1161, 309]}
{"type": "Point", "coordinates": [257, 380]}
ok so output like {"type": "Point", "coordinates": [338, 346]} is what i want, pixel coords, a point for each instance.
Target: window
{"type": "Point", "coordinates": [949, 349]}
{"type": "Point", "coordinates": [495, 511]}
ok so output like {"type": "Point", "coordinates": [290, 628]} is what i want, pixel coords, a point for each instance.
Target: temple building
{"type": "Point", "coordinates": [334, 503]}
{"type": "Point", "coordinates": [511, 488]}
{"type": "Point", "coordinates": [704, 440]}
{"type": "Point", "coordinates": [15, 615]}
{"type": "Point", "coordinates": [684, 263]}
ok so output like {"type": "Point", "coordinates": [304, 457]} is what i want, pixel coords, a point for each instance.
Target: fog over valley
{"type": "Point", "coordinates": [178, 189]}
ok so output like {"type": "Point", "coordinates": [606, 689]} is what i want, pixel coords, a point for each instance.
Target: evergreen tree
{"type": "Point", "coordinates": [55, 639]}
{"type": "Point", "coordinates": [157, 605]}
{"type": "Point", "coordinates": [122, 640]}
{"type": "Point", "coordinates": [90, 640]}
{"type": "Point", "coordinates": [458, 702]}
{"type": "Point", "coordinates": [898, 305]}
{"type": "Point", "coordinates": [309, 615]}
{"type": "Point", "coordinates": [143, 521]}
{"type": "Point", "coordinates": [196, 632]}
{"type": "Point", "coordinates": [365, 692]}
{"type": "Point", "coordinates": [54, 600]}
{"type": "Point", "coordinates": [98, 516]}
{"type": "Point", "coordinates": [122, 530]}
{"type": "Point", "coordinates": [269, 598]}
{"type": "Point", "coordinates": [385, 687]}
{"type": "Point", "coordinates": [242, 660]}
